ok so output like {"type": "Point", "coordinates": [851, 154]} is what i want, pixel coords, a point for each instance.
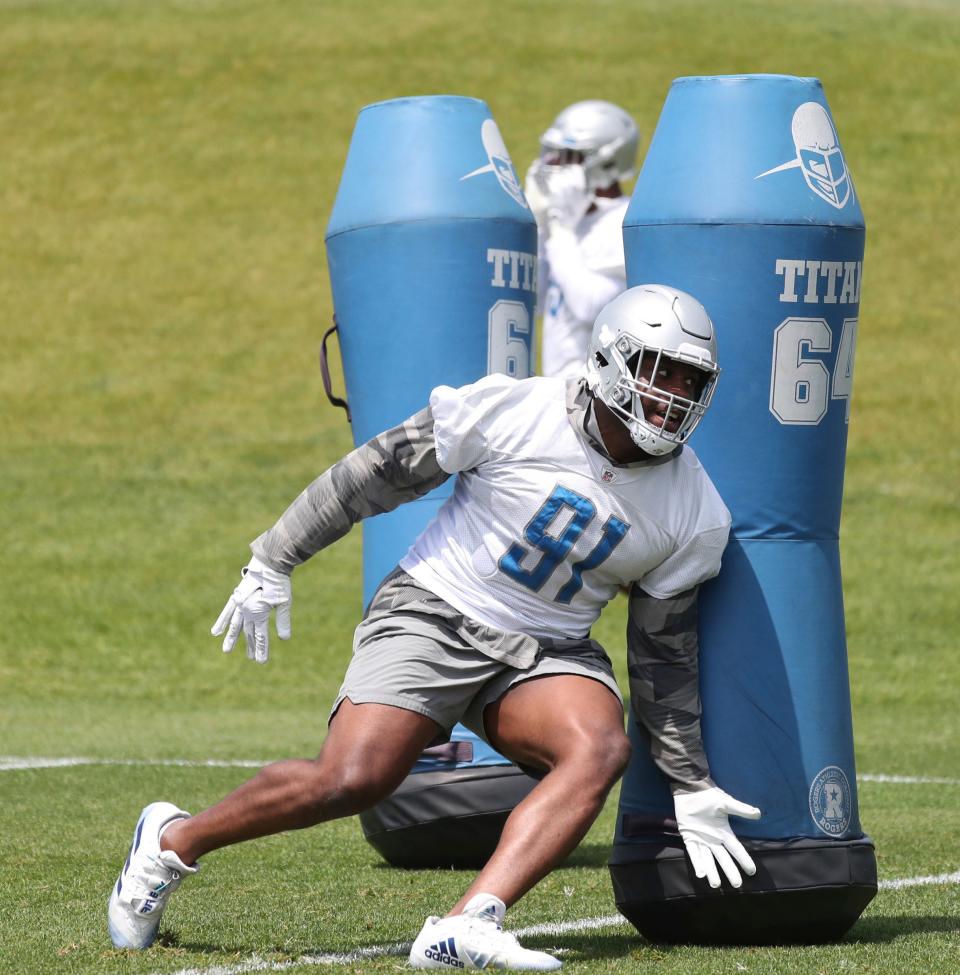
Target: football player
{"type": "Point", "coordinates": [575, 194]}
{"type": "Point", "coordinates": [566, 491]}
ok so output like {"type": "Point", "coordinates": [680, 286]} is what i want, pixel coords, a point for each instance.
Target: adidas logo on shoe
{"type": "Point", "coordinates": [475, 940]}
{"type": "Point", "coordinates": [445, 952]}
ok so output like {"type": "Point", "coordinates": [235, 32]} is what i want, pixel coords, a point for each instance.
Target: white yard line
{"type": "Point", "coordinates": [909, 779]}
{"type": "Point", "coordinates": [940, 878]}
{"type": "Point", "coordinates": [256, 964]}
{"type": "Point", "coordinates": [9, 763]}
{"type": "Point", "coordinates": [564, 927]}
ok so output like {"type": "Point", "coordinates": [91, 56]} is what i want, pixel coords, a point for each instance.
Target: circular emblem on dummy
{"type": "Point", "coordinates": [831, 800]}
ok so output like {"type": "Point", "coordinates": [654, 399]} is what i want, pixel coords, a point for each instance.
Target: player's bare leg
{"type": "Point", "coordinates": [368, 752]}
{"type": "Point", "coordinates": [573, 727]}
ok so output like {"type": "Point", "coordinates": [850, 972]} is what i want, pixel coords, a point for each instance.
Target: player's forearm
{"type": "Point", "coordinates": [663, 664]}
{"type": "Point", "coordinates": [397, 466]}
{"type": "Point", "coordinates": [675, 745]}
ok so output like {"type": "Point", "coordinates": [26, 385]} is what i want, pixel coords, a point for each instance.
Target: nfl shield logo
{"type": "Point", "coordinates": [607, 475]}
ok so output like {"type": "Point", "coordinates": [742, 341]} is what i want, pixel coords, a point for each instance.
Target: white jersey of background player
{"type": "Point", "coordinates": [567, 489]}
{"type": "Point", "coordinates": [574, 193]}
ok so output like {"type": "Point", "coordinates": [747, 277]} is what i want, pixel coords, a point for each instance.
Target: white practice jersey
{"type": "Point", "coordinates": [582, 271]}
{"type": "Point", "coordinates": [541, 529]}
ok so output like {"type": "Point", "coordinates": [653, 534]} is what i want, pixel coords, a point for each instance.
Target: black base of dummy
{"type": "Point", "coordinates": [445, 819]}
{"type": "Point", "coordinates": [804, 892]}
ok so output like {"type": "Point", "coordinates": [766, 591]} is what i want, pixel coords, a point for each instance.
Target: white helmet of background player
{"type": "Point", "coordinates": [597, 135]}
{"type": "Point", "coordinates": [664, 323]}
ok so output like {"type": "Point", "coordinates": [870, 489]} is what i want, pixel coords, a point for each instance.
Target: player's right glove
{"type": "Point", "coordinates": [706, 833]}
{"type": "Point", "coordinates": [261, 590]}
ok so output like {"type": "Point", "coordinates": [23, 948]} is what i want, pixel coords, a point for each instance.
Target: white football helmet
{"type": "Point", "coordinates": [665, 323]}
{"type": "Point", "coordinates": [597, 135]}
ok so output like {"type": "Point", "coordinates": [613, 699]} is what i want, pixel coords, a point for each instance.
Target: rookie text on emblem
{"type": "Point", "coordinates": [831, 800]}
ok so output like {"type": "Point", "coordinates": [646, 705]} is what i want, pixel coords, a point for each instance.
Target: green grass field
{"type": "Point", "coordinates": [166, 173]}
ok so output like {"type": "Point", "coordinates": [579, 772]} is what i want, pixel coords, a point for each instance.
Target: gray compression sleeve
{"type": "Point", "coordinates": [398, 465]}
{"type": "Point", "coordinates": [663, 663]}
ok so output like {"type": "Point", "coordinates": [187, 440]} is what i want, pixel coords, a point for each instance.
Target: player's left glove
{"type": "Point", "coordinates": [261, 590]}
{"type": "Point", "coordinates": [702, 821]}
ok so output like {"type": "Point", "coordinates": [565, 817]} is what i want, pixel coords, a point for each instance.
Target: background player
{"type": "Point", "coordinates": [575, 194]}
{"type": "Point", "coordinates": [567, 491]}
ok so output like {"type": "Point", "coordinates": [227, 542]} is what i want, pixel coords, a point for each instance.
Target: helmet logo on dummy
{"type": "Point", "coordinates": [819, 156]}
{"type": "Point", "coordinates": [831, 801]}
{"type": "Point", "coordinates": [499, 163]}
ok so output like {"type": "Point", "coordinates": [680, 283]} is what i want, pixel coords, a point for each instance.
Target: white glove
{"type": "Point", "coordinates": [702, 821]}
{"type": "Point", "coordinates": [261, 589]}
{"type": "Point", "coordinates": [569, 200]}
{"type": "Point", "coordinates": [535, 190]}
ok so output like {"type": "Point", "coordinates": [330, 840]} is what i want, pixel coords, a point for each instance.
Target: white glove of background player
{"type": "Point", "coordinates": [568, 197]}
{"type": "Point", "coordinates": [702, 821]}
{"type": "Point", "coordinates": [261, 589]}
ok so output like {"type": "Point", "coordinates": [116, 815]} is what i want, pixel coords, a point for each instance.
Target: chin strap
{"type": "Point", "coordinates": [586, 400]}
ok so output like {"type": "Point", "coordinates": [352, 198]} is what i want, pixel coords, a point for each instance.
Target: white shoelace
{"type": "Point", "coordinates": [144, 877]}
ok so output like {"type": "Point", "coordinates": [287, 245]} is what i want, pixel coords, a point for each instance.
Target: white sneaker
{"type": "Point", "coordinates": [148, 878]}
{"type": "Point", "coordinates": [475, 939]}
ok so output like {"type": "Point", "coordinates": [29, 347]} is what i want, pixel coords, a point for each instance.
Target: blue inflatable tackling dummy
{"type": "Point", "coordinates": [746, 201]}
{"type": "Point", "coordinates": [432, 250]}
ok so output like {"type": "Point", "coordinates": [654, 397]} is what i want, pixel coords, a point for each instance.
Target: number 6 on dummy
{"type": "Point", "coordinates": [432, 254]}
{"type": "Point", "coordinates": [746, 202]}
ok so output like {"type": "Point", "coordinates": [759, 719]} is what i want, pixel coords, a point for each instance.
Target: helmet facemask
{"type": "Point", "coordinates": [658, 420]}
{"type": "Point", "coordinates": [639, 342]}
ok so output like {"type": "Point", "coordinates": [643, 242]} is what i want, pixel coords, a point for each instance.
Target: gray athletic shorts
{"type": "Point", "coordinates": [415, 651]}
